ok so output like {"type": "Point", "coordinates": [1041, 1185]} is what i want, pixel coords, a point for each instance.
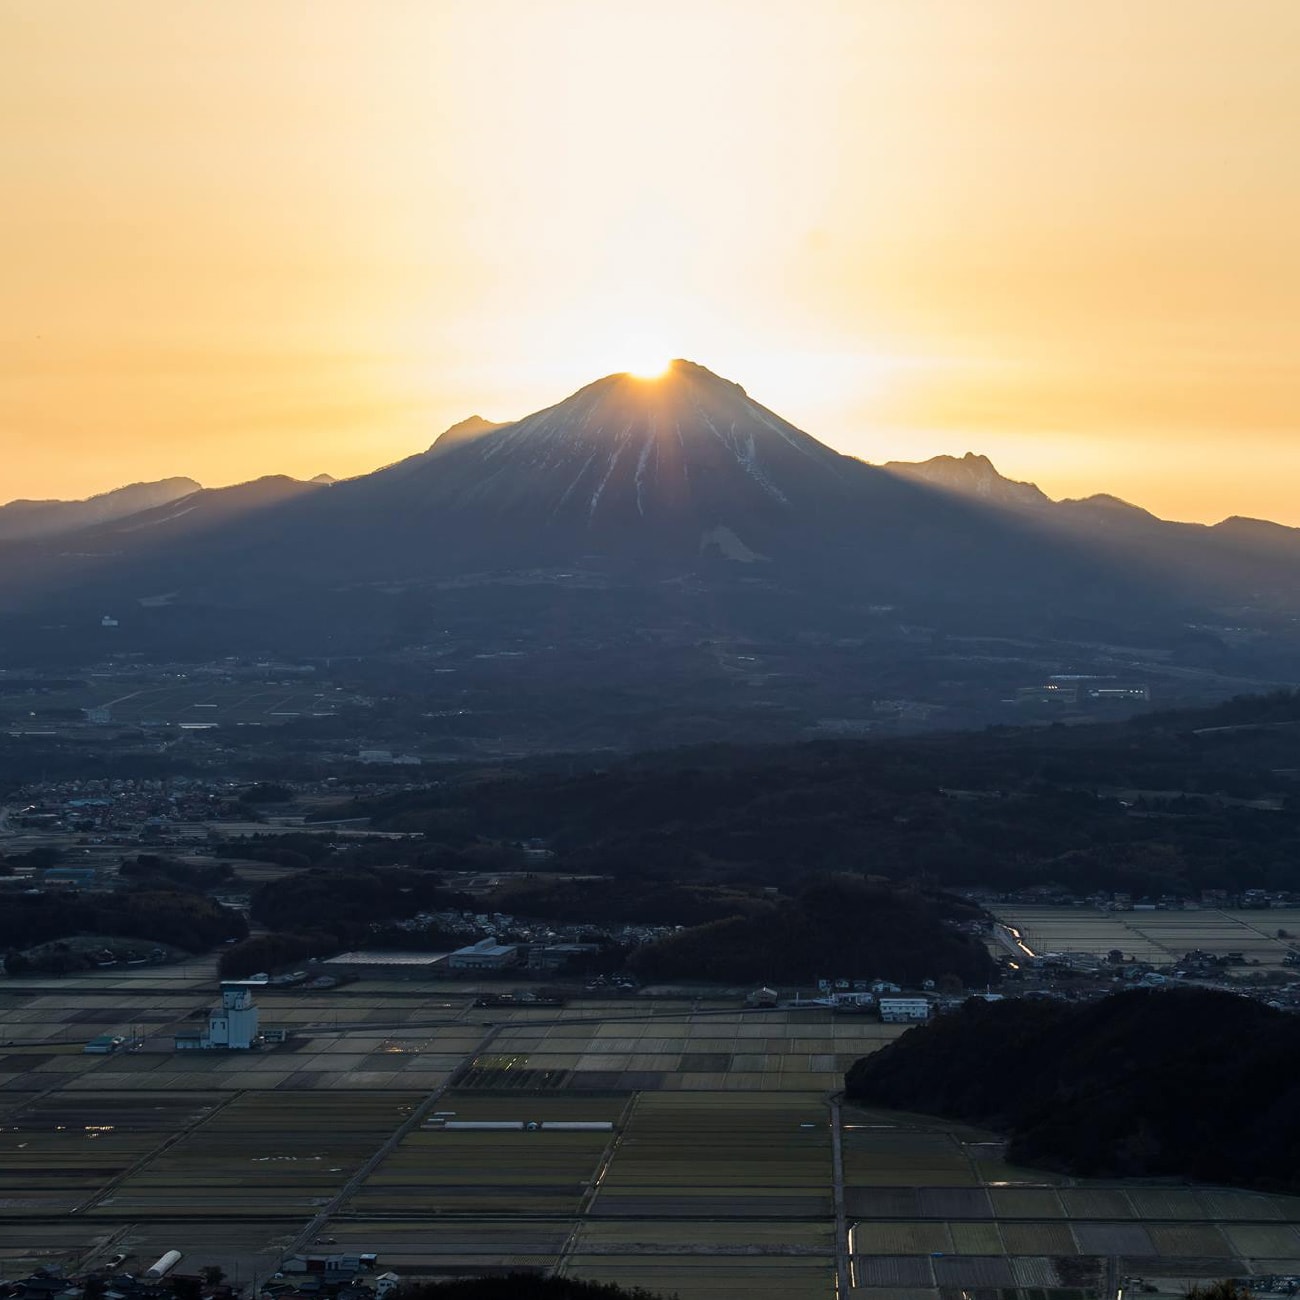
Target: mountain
{"type": "Point", "coordinates": [103, 557]}
{"type": "Point", "coordinates": [1239, 559]}
{"type": "Point", "coordinates": [48, 518]}
{"type": "Point", "coordinates": [973, 476]}
{"type": "Point", "coordinates": [634, 463]}
{"type": "Point", "coordinates": [675, 511]}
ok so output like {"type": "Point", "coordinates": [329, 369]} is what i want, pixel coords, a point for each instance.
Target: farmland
{"type": "Point", "coordinates": [717, 1177]}
{"type": "Point", "coordinates": [178, 701]}
{"type": "Point", "coordinates": [1158, 937]}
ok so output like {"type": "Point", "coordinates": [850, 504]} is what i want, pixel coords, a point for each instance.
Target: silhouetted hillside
{"type": "Point", "coordinates": [836, 925]}
{"type": "Point", "coordinates": [1187, 1082]}
{"type": "Point", "coordinates": [1164, 804]}
{"type": "Point", "coordinates": [20, 519]}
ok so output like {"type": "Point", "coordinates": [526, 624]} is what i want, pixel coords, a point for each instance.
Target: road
{"type": "Point", "coordinates": [308, 1235]}
{"type": "Point", "coordinates": [843, 1277]}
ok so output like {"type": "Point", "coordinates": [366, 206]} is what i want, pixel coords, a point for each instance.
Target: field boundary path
{"type": "Point", "coordinates": [842, 1276]}
{"type": "Point", "coordinates": [170, 1141]}
{"type": "Point", "coordinates": [593, 1188]}
{"type": "Point", "coordinates": [390, 1144]}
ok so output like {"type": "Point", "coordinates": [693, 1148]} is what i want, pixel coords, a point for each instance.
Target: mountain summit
{"type": "Point", "coordinates": [685, 452]}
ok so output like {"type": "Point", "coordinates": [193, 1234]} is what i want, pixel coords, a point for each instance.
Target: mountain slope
{"type": "Point", "coordinates": [474, 426]}
{"type": "Point", "coordinates": [19, 519]}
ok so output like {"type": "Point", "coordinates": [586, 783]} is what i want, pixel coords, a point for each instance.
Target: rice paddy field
{"type": "Point", "coordinates": [715, 1178]}
{"type": "Point", "coordinates": [1157, 937]}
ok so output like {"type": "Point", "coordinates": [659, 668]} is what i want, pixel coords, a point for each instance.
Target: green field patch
{"type": "Point", "coordinates": [1236, 1206]}
{"type": "Point", "coordinates": [1026, 1203]}
{"type": "Point", "coordinates": [1188, 1239]}
{"type": "Point", "coordinates": [1267, 1240]}
{"type": "Point", "coordinates": [900, 1238]}
{"type": "Point", "coordinates": [1167, 1203]}
{"type": "Point", "coordinates": [1038, 1239]}
{"type": "Point", "coordinates": [1095, 1203]}
{"type": "Point", "coordinates": [976, 1238]}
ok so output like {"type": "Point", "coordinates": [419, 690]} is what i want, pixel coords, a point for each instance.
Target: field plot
{"type": "Point", "coordinates": [262, 1156]}
{"type": "Point", "coordinates": [703, 1275]}
{"type": "Point", "coordinates": [714, 1195]}
{"type": "Point", "coordinates": [700, 1156]}
{"type": "Point", "coordinates": [493, 1171]}
{"type": "Point", "coordinates": [1156, 937]}
{"type": "Point", "coordinates": [928, 1218]}
{"type": "Point", "coordinates": [59, 1152]}
{"type": "Point", "coordinates": [28, 1246]}
{"type": "Point", "coordinates": [782, 1051]}
{"type": "Point", "coordinates": [429, 1248]}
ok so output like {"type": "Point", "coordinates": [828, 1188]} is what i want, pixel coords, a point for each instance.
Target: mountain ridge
{"type": "Point", "coordinates": [22, 517]}
{"type": "Point", "coordinates": [708, 513]}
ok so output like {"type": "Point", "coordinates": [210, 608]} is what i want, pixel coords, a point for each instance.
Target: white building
{"type": "Point", "coordinates": [232, 1026]}
{"type": "Point", "coordinates": [893, 1010]}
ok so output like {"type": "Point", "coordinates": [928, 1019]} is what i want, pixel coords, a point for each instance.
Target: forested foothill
{"type": "Point", "coordinates": [1187, 1083]}
{"type": "Point", "coordinates": [1162, 804]}
{"type": "Point", "coordinates": [163, 916]}
{"type": "Point", "coordinates": [835, 926]}
{"type": "Point", "coordinates": [736, 845]}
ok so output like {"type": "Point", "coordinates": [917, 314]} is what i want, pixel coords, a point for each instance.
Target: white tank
{"type": "Point", "coordinates": [163, 1265]}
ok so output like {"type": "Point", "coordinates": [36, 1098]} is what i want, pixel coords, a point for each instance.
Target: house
{"type": "Point", "coordinates": [894, 1010]}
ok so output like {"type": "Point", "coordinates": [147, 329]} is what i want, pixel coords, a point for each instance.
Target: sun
{"type": "Point", "coordinates": [649, 365]}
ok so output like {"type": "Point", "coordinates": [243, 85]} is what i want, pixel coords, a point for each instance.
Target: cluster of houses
{"type": "Point", "coordinates": [302, 1277]}
{"type": "Point", "coordinates": [529, 935]}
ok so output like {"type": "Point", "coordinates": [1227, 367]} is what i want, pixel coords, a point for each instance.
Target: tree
{"type": "Point", "coordinates": [266, 792]}
{"type": "Point", "coordinates": [1225, 1290]}
{"type": "Point", "coordinates": [16, 963]}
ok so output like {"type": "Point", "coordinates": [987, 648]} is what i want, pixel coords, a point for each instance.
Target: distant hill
{"type": "Point", "coordinates": [1187, 1083]}
{"type": "Point", "coordinates": [1163, 804]}
{"type": "Point", "coordinates": [20, 519]}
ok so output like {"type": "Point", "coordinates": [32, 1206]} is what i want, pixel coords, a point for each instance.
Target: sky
{"type": "Point", "coordinates": [295, 236]}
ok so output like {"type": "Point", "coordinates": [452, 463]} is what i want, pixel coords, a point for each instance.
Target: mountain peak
{"type": "Point", "coordinates": [971, 475]}
{"type": "Point", "coordinates": [50, 518]}
{"type": "Point", "coordinates": [686, 449]}
{"type": "Point", "coordinates": [473, 426]}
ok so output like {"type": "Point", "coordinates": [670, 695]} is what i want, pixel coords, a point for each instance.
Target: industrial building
{"type": "Point", "coordinates": [487, 954]}
{"type": "Point", "coordinates": [232, 1026]}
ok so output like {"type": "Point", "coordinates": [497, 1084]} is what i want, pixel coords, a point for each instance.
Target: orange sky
{"type": "Point", "coordinates": [306, 235]}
